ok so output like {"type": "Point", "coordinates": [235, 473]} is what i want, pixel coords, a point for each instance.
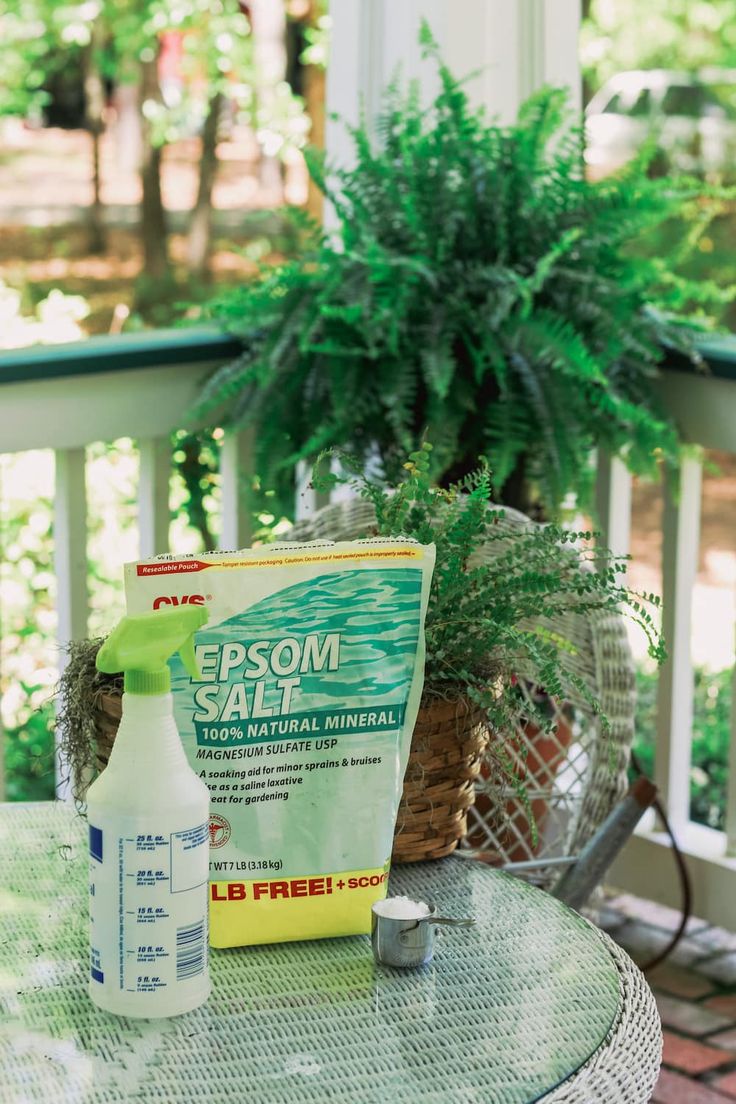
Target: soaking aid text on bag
{"type": "Point", "coordinates": [311, 668]}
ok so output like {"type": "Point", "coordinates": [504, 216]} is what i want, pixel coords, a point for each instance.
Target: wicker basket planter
{"type": "Point", "coordinates": [108, 711]}
{"type": "Point", "coordinates": [449, 739]}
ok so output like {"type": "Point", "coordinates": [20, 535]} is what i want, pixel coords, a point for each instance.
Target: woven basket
{"type": "Point", "coordinates": [108, 711]}
{"type": "Point", "coordinates": [439, 786]}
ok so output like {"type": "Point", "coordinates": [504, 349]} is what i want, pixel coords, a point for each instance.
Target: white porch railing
{"type": "Point", "coordinates": [704, 406]}
{"type": "Point", "coordinates": [142, 386]}
{"type": "Point", "coordinates": [139, 386]}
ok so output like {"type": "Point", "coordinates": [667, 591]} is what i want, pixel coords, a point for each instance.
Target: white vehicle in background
{"type": "Point", "coordinates": [692, 116]}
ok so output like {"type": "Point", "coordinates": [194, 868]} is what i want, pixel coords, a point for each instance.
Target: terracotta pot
{"type": "Point", "coordinates": [545, 755]}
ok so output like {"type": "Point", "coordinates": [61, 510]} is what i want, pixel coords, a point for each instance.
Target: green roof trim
{"type": "Point", "coordinates": [121, 353]}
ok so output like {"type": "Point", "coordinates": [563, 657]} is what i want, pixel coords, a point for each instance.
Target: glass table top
{"type": "Point", "coordinates": [504, 1013]}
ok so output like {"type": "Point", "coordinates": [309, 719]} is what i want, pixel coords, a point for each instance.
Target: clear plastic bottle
{"type": "Point", "coordinates": [148, 818]}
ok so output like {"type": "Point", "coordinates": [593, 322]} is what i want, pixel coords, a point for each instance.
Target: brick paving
{"type": "Point", "coordinates": [695, 990]}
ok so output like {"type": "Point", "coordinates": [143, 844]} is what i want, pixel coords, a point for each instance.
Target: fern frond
{"type": "Point", "coordinates": [480, 284]}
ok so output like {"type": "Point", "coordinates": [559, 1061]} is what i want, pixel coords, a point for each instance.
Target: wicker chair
{"type": "Point", "coordinates": [583, 774]}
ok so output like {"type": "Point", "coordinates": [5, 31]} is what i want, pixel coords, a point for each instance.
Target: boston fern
{"type": "Point", "coordinates": [498, 590]}
{"type": "Point", "coordinates": [478, 289]}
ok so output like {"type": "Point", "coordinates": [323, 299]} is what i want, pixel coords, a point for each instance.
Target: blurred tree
{"type": "Point", "coordinates": [684, 34]}
{"type": "Point", "coordinates": [28, 35]}
{"type": "Point", "coordinates": [184, 60]}
{"type": "Point", "coordinates": [38, 39]}
{"type": "Point", "coordinates": [308, 36]}
{"type": "Point", "coordinates": [94, 116]}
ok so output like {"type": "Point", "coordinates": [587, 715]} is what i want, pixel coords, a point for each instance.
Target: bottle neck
{"type": "Point", "coordinates": [148, 707]}
{"type": "Point", "coordinates": [147, 738]}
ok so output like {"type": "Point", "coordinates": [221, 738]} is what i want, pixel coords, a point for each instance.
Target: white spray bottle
{"type": "Point", "coordinates": [148, 818]}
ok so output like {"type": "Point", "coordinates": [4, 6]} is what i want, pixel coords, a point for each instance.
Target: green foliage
{"type": "Point", "coordinates": [711, 740]}
{"type": "Point", "coordinates": [317, 36]}
{"type": "Point", "coordinates": [480, 290]}
{"type": "Point", "coordinates": [624, 34]}
{"type": "Point", "coordinates": [197, 462]}
{"type": "Point", "coordinates": [29, 751]}
{"type": "Point", "coordinates": [37, 38]}
{"type": "Point", "coordinates": [488, 619]}
{"type": "Point", "coordinates": [216, 47]}
{"type": "Point", "coordinates": [26, 648]}
{"type": "Point", "coordinates": [29, 35]}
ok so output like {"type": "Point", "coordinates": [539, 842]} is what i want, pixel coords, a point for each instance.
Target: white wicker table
{"type": "Point", "coordinates": [532, 1004]}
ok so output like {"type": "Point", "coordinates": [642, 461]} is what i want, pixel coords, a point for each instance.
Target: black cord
{"type": "Point", "coordinates": [685, 882]}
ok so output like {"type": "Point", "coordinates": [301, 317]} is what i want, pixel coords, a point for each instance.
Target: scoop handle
{"type": "Point", "coordinates": [451, 922]}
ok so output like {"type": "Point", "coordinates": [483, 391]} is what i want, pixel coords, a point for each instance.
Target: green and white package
{"type": "Point", "coordinates": [312, 666]}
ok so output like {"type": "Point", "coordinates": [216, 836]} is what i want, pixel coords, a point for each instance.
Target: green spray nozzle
{"type": "Point", "coordinates": [140, 645]}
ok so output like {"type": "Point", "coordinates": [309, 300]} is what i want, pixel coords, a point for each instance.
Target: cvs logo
{"type": "Point", "coordinates": [185, 600]}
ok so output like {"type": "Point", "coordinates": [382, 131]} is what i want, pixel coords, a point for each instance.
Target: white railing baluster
{"type": "Point", "coordinates": [153, 495]}
{"type": "Point", "coordinates": [680, 547]}
{"type": "Point", "coordinates": [613, 500]}
{"type": "Point", "coordinates": [236, 471]}
{"type": "Point", "coordinates": [70, 562]}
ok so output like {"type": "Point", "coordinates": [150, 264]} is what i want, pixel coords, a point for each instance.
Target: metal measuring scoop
{"type": "Point", "coordinates": [410, 942]}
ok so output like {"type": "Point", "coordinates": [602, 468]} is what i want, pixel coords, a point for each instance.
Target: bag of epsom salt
{"type": "Point", "coordinates": [311, 669]}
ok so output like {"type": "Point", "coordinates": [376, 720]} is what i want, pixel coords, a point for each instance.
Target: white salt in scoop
{"type": "Point", "coordinates": [403, 931]}
{"type": "Point", "coordinates": [402, 908]}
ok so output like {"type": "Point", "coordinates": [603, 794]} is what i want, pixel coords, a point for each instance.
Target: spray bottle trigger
{"type": "Point", "coordinates": [189, 659]}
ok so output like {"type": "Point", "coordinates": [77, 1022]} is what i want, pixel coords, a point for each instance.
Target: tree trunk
{"type": "Point", "coordinates": [94, 95]}
{"type": "Point", "coordinates": [200, 224]}
{"type": "Point", "coordinates": [315, 97]}
{"type": "Point", "coordinates": [153, 225]}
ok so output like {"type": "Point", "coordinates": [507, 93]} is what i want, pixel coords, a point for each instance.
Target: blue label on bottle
{"type": "Point", "coordinates": [95, 965]}
{"type": "Point", "coordinates": [95, 843]}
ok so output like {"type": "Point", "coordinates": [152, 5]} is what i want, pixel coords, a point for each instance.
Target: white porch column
{"type": "Point", "coordinates": [613, 494]}
{"type": "Point", "coordinates": [512, 46]}
{"type": "Point", "coordinates": [153, 496]}
{"type": "Point", "coordinates": [236, 469]}
{"type": "Point", "coordinates": [680, 548]}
